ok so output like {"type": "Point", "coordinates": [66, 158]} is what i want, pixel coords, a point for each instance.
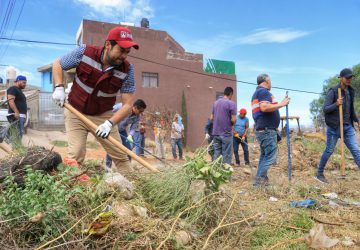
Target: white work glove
{"type": "Point", "coordinates": [104, 129]}
{"type": "Point", "coordinates": [59, 96]}
{"type": "Point", "coordinates": [207, 136]}
{"type": "Point", "coordinates": [130, 139]}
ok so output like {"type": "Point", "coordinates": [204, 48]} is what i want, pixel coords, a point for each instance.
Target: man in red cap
{"type": "Point", "coordinates": [241, 128]}
{"type": "Point", "coordinates": [101, 72]}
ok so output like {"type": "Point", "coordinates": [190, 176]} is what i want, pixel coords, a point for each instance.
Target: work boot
{"type": "Point", "coordinates": [321, 178]}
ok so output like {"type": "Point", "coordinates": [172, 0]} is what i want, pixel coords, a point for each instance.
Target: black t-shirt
{"type": "Point", "coordinates": [20, 100]}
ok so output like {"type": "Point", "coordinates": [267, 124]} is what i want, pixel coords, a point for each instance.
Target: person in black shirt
{"type": "Point", "coordinates": [17, 104]}
{"type": "Point", "coordinates": [332, 120]}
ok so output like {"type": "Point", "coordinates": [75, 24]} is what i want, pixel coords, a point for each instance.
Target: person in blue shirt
{"type": "Point", "coordinates": [240, 137]}
{"type": "Point", "coordinates": [131, 120]}
{"type": "Point", "coordinates": [265, 112]}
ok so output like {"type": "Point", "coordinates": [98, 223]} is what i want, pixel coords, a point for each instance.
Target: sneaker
{"type": "Point", "coordinates": [321, 178]}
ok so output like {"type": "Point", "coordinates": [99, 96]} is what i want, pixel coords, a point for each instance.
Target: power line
{"type": "Point", "coordinates": [35, 41]}
{"type": "Point", "coordinates": [169, 66]}
{"type": "Point", "coordinates": [12, 34]}
{"type": "Point", "coordinates": [222, 78]}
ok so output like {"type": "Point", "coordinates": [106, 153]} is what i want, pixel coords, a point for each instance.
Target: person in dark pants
{"type": "Point", "coordinates": [17, 107]}
{"type": "Point", "coordinates": [265, 111]}
{"type": "Point", "coordinates": [240, 137]}
{"type": "Point", "coordinates": [224, 117]}
{"type": "Point", "coordinates": [140, 141]}
{"type": "Point", "coordinates": [209, 137]}
{"type": "Point", "coordinates": [332, 120]}
{"type": "Point", "coordinates": [131, 120]}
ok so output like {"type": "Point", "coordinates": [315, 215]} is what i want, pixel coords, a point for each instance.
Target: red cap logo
{"type": "Point", "coordinates": [123, 37]}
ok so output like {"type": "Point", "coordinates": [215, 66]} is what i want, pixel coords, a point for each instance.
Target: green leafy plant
{"type": "Point", "coordinates": [42, 196]}
{"type": "Point", "coordinates": [212, 173]}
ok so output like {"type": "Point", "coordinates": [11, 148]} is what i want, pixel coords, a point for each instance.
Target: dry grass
{"type": "Point", "coordinates": [278, 222]}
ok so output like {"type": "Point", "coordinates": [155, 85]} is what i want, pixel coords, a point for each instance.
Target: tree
{"type": "Point", "coordinates": [316, 106]}
{"type": "Point", "coordinates": [184, 116]}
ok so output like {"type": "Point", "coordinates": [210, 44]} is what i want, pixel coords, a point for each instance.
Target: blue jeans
{"type": "Point", "coordinates": [139, 143]}
{"type": "Point", "coordinates": [179, 143]}
{"type": "Point", "coordinates": [236, 142]}
{"type": "Point", "coordinates": [223, 146]}
{"type": "Point", "coordinates": [332, 136]}
{"type": "Point", "coordinates": [123, 136]}
{"type": "Point", "coordinates": [16, 130]}
{"type": "Point", "coordinates": [268, 152]}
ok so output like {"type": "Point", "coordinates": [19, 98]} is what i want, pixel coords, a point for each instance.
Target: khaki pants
{"type": "Point", "coordinates": [77, 133]}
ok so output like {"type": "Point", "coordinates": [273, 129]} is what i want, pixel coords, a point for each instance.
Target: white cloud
{"type": "Point", "coordinates": [216, 45]}
{"type": "Point", "coordinates": [117, 10]}
{"type": "Point", "coordinates": [30, 77]}
{"type": "Point", "coordinates": [272, 36]}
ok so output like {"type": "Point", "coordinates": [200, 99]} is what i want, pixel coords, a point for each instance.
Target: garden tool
{"type": "Point", "coordinates": [342, 168]}
{"type": "Point", "coordinates": [115, 142]}
{"type": "Point", "coordinates": [236, 134]}
{"type": "Point", "coordinates": [288, 141]}
{"type": "Point", "coordinates": [147, 151]}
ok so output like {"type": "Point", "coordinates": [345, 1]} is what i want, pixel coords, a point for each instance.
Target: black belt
{"type": "Point", "coordinates": [264, 129]}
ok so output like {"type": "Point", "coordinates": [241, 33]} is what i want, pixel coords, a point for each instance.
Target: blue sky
{"type": "Point", "coordinates": [298, 43]}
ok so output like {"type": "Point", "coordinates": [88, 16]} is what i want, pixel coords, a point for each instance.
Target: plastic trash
{"type": "Point", "coordinates": [317, 239]}
{"type": "Point", "coordinates": [330, 196]}
{"type": "Point", "coordinates": [273, 199]}
{"type": "Point", "coordinates": [101, 223]}
{"type": "Point", "coordinates": [304, 203]}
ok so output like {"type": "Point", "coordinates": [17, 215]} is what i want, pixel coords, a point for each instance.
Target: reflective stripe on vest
{"type": "Point", "coordinates": [87, 89]}
{"type": "Point", "coordinates": [90, 90]}
{"type": "Point", "coordinates": [91, 62]}
{"type": "Point", "coordinates": [103, 94]}
{"type": "Point", "coordinates": [96, 65]}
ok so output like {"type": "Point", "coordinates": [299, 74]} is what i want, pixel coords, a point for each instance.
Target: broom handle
{"type": "Point", "coordinates": [5, 147]}
{"type": "Point", "coordinates": [115, 142]}
{"type": "Point", "coordinates": [341, 135]}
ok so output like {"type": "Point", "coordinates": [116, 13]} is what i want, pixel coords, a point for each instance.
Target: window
{"type": "Point", "coordinates": [150, 80]}
{"type": "Point", "coordinates": [50, 78]}
{"type": "Point", "coordinates": [219, 95]}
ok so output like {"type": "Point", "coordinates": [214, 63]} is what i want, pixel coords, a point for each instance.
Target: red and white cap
{"type": "Point", "coordinates": [123, 37]}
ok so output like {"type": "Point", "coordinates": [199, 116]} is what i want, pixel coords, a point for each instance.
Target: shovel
{"type": "Point", "coordinates": [115, 142]}
{"type": "Point", "coordinates": [342, 168]}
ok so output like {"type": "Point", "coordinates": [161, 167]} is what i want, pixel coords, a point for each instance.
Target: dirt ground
{"type": "Point", "coordinates": [280, 223]}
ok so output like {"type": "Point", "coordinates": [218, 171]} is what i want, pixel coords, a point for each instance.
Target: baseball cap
{"type": "Point", "coordinates": [242, 111]}
{"type": "Point", "coordinates": [20, 78]}
{"type": "Point", "coordinates": [123, 37]}
{"type": "Point", "coordinates": [346, 73]}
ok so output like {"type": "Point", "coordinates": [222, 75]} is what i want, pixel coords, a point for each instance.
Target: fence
{"type": "Point", "coordinates": [49, 115]}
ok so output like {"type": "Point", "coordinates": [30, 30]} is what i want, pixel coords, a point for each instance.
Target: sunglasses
{"type": "Point", "coordinates": [348, 78]}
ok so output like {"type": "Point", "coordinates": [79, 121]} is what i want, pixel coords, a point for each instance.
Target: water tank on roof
{"type": "Point", "coordinates": [10, 73]}
{"type": "Point", "coordinates": [144, 23]}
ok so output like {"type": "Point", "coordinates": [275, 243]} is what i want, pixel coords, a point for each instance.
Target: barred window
{"type": "Point", "coordinates": [150, 80]}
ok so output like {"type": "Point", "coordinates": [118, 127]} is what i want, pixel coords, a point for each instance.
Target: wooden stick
{"type": "Point", "coordinates": [341, 136]}
{"type": "Point", "coordinates": [115, 142]}
{"type": "Point", "coordinates": [291, 241]}
{"type": "Point", "coordinates": [5, 147]}
{"type": "Point", "coordinates": [325, 222]}
{"type": "Point", "coordinates": [197, 204]}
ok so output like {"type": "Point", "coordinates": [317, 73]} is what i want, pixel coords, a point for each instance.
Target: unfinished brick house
{"type": "Point", "coordinates": [162, 75]}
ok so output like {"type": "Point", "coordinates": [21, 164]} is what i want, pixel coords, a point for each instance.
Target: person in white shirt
{"type": "Point", "coordinates": [177, 133]}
